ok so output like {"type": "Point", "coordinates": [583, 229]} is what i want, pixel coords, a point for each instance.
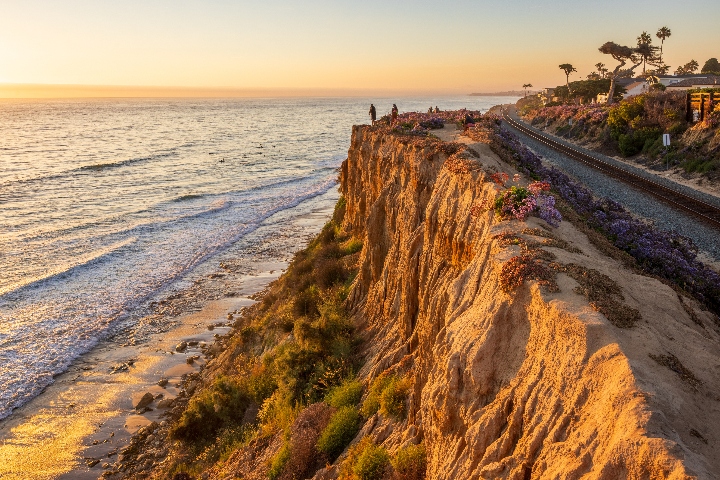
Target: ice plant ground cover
{"type": "Point", "coordinates": [666, 254]}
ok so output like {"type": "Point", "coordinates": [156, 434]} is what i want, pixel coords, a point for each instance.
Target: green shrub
{"type": "Point", "coordinates": [342, 428]}
{"type": "Point", "coordinates": [387, 394]}
{"type": "Point", "coordinates": [346, 394]}
{"type": "Point", "coordinates": [394, 396]}
{"type": "Point", "coordinates": [277, 463]}
{"type": "Point", "coordinates": [226, 442]}
{"type": "Point", "coordinates": [352, 246]}
{"type": "Point", "coordinates": [677, 128]}
{"type": "Point", "coordinates": [637, 140]}
{"type": "Point", "coordinates": [410, 463]}
{"type": "Point", "coordinates": [306, 302]}
{"type": "Point", "coordinates": [223, 404]}
{"type": "Point", "coordinates": [329, 271]}
{"type": "Point", "coordinates": [260, 384]}
{"type": "Point", "coordinates": [372, 402]}
{"type": "Point", "coordinates": [277, 413]}
{"type": "Point", "coordinates": [371, 463]}
{"type": "Point", "coordinates": [626, 114]}
{"type": "Point", "coordinates": [302, 333]}
{"type": "Point", "coordinates": [653, 148]}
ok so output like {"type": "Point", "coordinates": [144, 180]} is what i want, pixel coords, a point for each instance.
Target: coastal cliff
{"type": "Point", "coordinates": [590, 370]}
{"type": "Point", "coordinates": [529, 384]}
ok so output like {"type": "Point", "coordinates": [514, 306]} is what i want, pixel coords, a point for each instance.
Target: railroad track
{"type": "Point", "coordinates": [706, 212]}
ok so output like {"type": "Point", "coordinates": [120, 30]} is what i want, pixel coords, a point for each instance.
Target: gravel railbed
{"type": "Point", "coordinates": [635, 201]}
{"type": "Point", "coordinates": [657, 178]}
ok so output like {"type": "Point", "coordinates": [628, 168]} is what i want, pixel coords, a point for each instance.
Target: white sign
{"type": "Point", "coordinates": [666, 139]}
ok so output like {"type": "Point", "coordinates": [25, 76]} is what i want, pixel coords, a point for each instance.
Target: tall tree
{"type": "Point", "coordinates": [526, 86]}
{"type": "Point", "coordinates": [711, 66]}
{"type": "Point", "coordinates": [645, 49]}
{"type": "Point", "coordinates": [623, 55]}
{"type": "Point", "coordinates": [660, 69]}
{"type": "Point", "coordinates": [601, 69]}
{"type": "Point", "coordinates": [688, 69]}
{"type": "Point", "coordinates": [568, 69]}
{"type": "Point", "coordinates": [662, 34]}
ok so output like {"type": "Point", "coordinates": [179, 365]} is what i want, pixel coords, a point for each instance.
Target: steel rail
{"type": "Point", "coordinates": [704, 211]}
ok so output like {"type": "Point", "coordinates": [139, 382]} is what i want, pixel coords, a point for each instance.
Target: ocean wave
{"type": "Point", "coordinates": [80, 262]}
{"type": "Point", "coordinates": [83, 170]}
{"type": "Point", "coordinates": [123, 163]}
{"type": "Point", "coordinates": [190, 196]}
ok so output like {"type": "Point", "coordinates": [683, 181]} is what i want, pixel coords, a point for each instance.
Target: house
{"type": "Point", "coordinates": [546, 95]}
{"type": "Point", "coordinates": [637, 87]}
{"type": "Point", "coordinates": [705, 81]}
{"type": "Point", "coordinates": [626, 83]}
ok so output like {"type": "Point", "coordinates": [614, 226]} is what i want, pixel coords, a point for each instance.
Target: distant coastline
{"type": "Point", "coordinates": [509, 93]}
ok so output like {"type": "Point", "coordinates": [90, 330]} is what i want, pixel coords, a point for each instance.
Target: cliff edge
{"type": "Point", "coordinates": [533, 382]}
{"type": "Point", "coordinates": [422, 336]}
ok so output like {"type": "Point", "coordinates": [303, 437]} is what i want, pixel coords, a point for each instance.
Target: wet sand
{"type": "Point", "coordinates": [77, 426]}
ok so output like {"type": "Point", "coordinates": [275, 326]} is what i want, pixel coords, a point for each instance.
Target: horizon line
{"type": "Point", "coordinates": [30, 91]}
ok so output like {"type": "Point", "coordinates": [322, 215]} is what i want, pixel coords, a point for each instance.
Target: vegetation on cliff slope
{"type": "Point", "coordinates": [635, 126]}
{"type": "Point", "coordinates": [282, 401]}
{"type": "Point", "coordinates": [289, 352]}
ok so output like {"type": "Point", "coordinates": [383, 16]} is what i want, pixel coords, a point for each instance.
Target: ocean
{"type": "Point", "coordinates": [109, 206]}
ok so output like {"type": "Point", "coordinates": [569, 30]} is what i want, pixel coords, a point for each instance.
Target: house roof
{"type": "Point", "coordinates": [691, 82]}
{"type": "Point", "coordinates": [687, 75]}
{"type": "Point", "coordinates": [626, 81]}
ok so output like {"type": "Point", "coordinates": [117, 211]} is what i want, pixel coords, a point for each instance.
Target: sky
{"type": "Point", "coordinates": [217, 47]}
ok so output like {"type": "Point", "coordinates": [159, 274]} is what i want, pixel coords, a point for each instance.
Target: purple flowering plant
{"type": "Point", "coordinates": [521, 202]}
{"type": "Point", "coordinates": [666, 254]}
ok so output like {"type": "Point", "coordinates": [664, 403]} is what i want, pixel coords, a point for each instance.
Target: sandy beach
{"type": "Point", "coordinates": [76, 428]}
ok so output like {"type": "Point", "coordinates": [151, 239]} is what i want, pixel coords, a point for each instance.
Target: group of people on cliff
{"type": "Point", "coordinates": [393, 113]}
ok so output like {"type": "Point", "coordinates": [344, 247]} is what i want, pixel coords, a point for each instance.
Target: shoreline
{"type": "Point", "coordinates": [77, 426]}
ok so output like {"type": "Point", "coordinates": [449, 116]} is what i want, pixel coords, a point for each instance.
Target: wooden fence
{"type": "Point", "coordinates": [699, 105]}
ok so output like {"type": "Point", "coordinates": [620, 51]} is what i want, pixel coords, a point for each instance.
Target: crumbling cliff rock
{"type": "Point", "coordinates": [530, 383]}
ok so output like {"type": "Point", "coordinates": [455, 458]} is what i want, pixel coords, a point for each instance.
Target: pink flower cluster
{"type": "Point", "coordinates": [537, 187]}
{"type": "Point", "coordinates": [515, 203]}
{"type": "Point", "coordinates": [521, 202]}
{"type": "Point", "coordinates": [451, 116]}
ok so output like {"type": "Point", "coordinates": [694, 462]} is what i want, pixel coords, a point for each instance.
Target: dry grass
{"type": "Point", "coordinates": [671, 361]}
{"type": "Point", "coordinates": [604, 294]}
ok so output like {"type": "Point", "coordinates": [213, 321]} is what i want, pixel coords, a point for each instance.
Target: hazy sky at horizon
{"type": "Point", "coordinates": [453, 47]}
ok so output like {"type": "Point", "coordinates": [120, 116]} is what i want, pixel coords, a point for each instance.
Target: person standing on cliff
{"type": "Point", "coordinates": [373, 114]}
{"type": "Point", "coordinates": [393, 115]}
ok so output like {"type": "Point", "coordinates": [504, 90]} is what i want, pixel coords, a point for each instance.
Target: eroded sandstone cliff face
{"type": "Point", "coordinates": [524, 384]}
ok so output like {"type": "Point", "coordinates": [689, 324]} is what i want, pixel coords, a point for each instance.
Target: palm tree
{"type": "Point", "coordinates": [526, 86]}
{"type": "Point", "coordinates": [602, 71]}
{"type": "Point", "coordinates": [568, 69]}
{"type": "Point", "coordinates": [662, 34]}
{"type": "Point", "coordinates": [645, 49]}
